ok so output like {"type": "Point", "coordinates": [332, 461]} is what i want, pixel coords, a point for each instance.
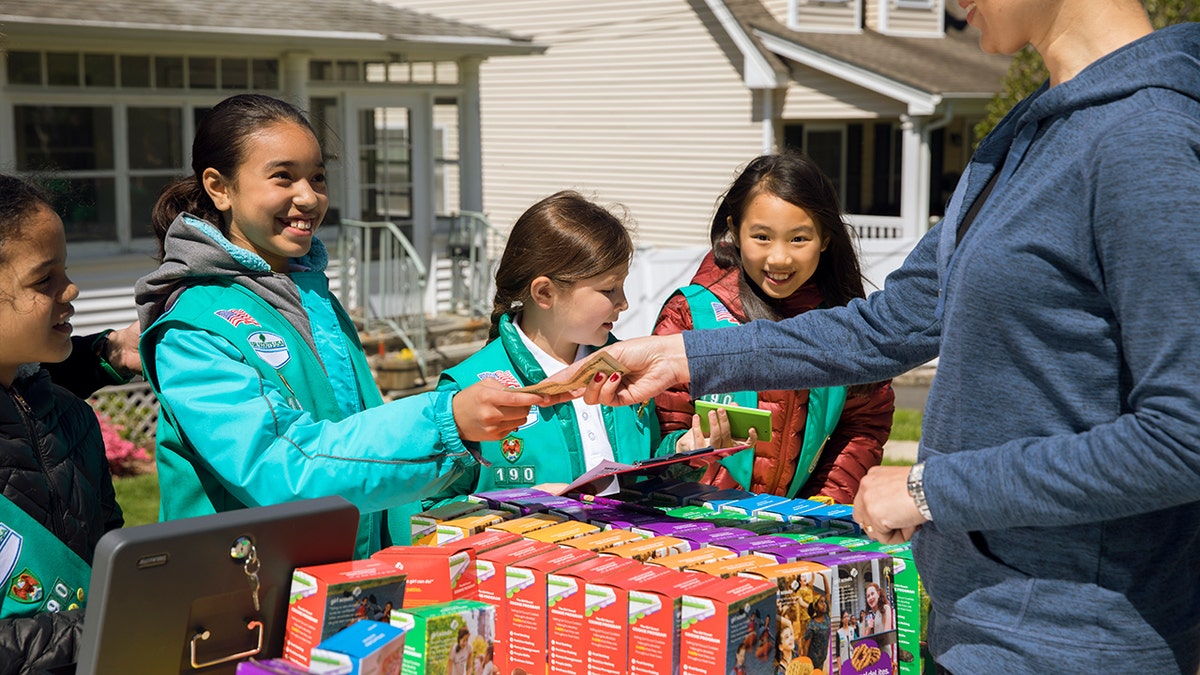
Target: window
{"type": "Point", "coordinates": [24, 67]}
{"type": "Point", "coordinates": [75, 144]}
{"type": "Point", "coordinates": [135, 71]}
{"type": "Point", "coordinates": [106, 158]}
{"type": "Point", "coordinates": [914, 4]}
{"type": "Point", "coordinates": [73, 69]}
{"type": "Point", "coordinates": [99, 70]}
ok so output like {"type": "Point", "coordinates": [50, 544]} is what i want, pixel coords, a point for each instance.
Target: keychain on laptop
{"type": "Point", "coordinates": [243, 549]}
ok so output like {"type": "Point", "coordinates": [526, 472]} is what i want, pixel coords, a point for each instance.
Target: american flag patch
{"type": "Point", "coordinates": [502, 376]}
{"type": "Point", "coordinates": [236, 317]}
{"type": "Point", "coordinates": [723, 314]}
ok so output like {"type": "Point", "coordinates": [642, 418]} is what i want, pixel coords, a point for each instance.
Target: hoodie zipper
{"type": "Point", "coordinates": [27, 418]}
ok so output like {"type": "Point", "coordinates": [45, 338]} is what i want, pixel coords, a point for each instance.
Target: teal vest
{"type": "Point", "coordinates": [281, 356]}
{"type": "Point", "coordinates": [824, 404]}
{"type": "Point", "coordinates": [547, 448]}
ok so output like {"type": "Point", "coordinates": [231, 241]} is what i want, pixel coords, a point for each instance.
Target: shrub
{"type": "Point", "coordinates": [124, 457]}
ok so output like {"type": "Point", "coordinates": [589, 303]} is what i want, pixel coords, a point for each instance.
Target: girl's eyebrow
{"type": "Point", "coordinates": [290, 164]}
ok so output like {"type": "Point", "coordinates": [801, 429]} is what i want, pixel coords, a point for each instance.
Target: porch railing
{"type": "Point", "coordinates": [382, 284]}
{"type": "Point", "coordinates": [474, 249]}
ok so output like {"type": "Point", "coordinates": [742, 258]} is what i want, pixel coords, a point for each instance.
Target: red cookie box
{"type": "Point", "coordinates": [491, 567]}
{"type": "Point", "coordinates": [435, 573]}
{"type": "Point", "coordinates": [324, 599]}
{"type": "Point", "coordinates": [651, 600]}
{"type": "Point", "coordinates": [487, 540]}
{"type": "Point", "coordinates": [572, 647]}
{"type": "Point", "coordinates": [724, 628]}
{"type": "Point", "coordinates": [526, 625]}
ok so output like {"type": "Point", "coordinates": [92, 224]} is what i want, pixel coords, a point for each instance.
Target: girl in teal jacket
{"type": "Point", "coordinates": [559, 289]}
{"type": "Point", "coordinates": [265, 395]}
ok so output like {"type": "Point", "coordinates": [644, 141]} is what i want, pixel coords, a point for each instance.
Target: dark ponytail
{"type": "Point", "coordinates": [19, 199]}
{"type": "Point", "coordinates": [220, 144]}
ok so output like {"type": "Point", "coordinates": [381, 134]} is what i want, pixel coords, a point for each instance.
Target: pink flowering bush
{"type": "Point", "coordinates": [124, 457]}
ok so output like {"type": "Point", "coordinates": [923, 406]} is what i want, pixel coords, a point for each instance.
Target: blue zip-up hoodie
{"type": "Point", "coordinates": [1062, 431]}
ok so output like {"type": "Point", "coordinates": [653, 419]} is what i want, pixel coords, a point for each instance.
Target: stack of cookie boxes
{"type": "Point", "coordinates": [682, 578]}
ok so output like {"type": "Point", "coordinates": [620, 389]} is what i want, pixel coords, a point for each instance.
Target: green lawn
{"type": "Point", "coordinates": [138, 495]}
{"type": "Point", "coordinates": [906, 425]}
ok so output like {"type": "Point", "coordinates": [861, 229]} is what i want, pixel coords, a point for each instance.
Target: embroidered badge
{"type": "Point", "coordinates": [270, 348]}
{"type": "Point", "coordinates": [507, 379]}
{"type": "Point", "coordinates": [721, 313]}
{"type": "Point", "coordinates": [236, 317]}
{"type": "Point", "coordinates": [511, 448]}
{"type": "Point", "coordinates": [25, 588]}
{"type": "Point", "coordinates": [504, 377]}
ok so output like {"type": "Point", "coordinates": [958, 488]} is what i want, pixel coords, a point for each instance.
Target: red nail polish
{"type": "Point", "coordinates": [599, 377]}
{"type": "Point", "coordinates": [614, 377]}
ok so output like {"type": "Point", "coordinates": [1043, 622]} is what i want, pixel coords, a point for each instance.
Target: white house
{"type": "Point", "coordinates": [103, 97]}
{"type": "Point", "coordinates": [655, 104]}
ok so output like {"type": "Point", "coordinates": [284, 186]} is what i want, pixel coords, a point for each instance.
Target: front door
{"type": "Point", "coordinates": [389, 163]}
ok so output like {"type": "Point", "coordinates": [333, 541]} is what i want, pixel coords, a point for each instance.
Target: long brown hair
{"type": "Point", "coordinates": [793, 177]}
{"type": "Point", "coordinates": [220, 143]}
{"type": "Point", "coordinates": [796, 179]}
{"type": "Point", "coordinates": [565, 237]}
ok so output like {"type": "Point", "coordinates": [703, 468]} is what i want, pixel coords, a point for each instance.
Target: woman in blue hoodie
{"type": "Point", "coordinates": [1060, 455]}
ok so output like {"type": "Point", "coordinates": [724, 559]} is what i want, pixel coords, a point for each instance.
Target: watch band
{"type": "Point", "coordinates": [916, 489]}
{"type": "Point", "coordinates": [99, 346]}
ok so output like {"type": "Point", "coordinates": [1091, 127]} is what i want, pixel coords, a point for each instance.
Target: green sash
{"type": "Point", "coordinates": [40, 573]}
{"type": "Point", "coordinates": [824, 404]}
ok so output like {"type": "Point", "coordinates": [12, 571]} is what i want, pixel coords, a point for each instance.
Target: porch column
{"type": "Point", "coordinates": [914, 177]}
{"type": "Point", "coordinates": [470, 137]}
{"type": "Point", "coordinates": [293, 79]}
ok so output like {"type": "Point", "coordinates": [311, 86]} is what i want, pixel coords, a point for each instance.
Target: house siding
{"type": "Point", "coordinates": [815, 95]}
{"type": "Point", "coordinates": [660, 128]}
{"type": "Point", "coordinates": [817, 15]}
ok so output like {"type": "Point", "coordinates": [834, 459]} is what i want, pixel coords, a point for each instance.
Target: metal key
{"type": "Point", "coordinates": [243, 549]}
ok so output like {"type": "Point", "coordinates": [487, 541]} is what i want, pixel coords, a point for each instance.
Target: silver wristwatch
{"type": "Point", "coordinates": [916, 489]}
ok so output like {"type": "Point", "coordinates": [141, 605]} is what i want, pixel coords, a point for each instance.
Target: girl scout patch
{"type": "Point", "coordinates": [270, 348]}
{"type": "Point", "coordinates": [511, 448]}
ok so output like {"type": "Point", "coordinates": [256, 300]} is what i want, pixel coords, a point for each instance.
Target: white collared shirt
{"type": "Point", "coordinates": [596, 446]}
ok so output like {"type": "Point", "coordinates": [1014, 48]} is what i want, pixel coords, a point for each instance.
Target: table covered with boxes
{"type": "Point", "coordinates": [664, 577]}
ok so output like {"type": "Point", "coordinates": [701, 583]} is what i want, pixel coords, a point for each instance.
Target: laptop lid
{"type": "Point", "coordinates": [179, 596]}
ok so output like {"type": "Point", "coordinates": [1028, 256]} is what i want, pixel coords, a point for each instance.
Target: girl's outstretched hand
{"type": "Point", "coordinates": [654, 363]}
{"type": "Point", "coordinates": [489, 411]}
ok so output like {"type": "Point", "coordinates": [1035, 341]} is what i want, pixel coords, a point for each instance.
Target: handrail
{"type": "Point", "coordinates": [474, 248]}
{"type": "Point", "coordinates": [386, 281]}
